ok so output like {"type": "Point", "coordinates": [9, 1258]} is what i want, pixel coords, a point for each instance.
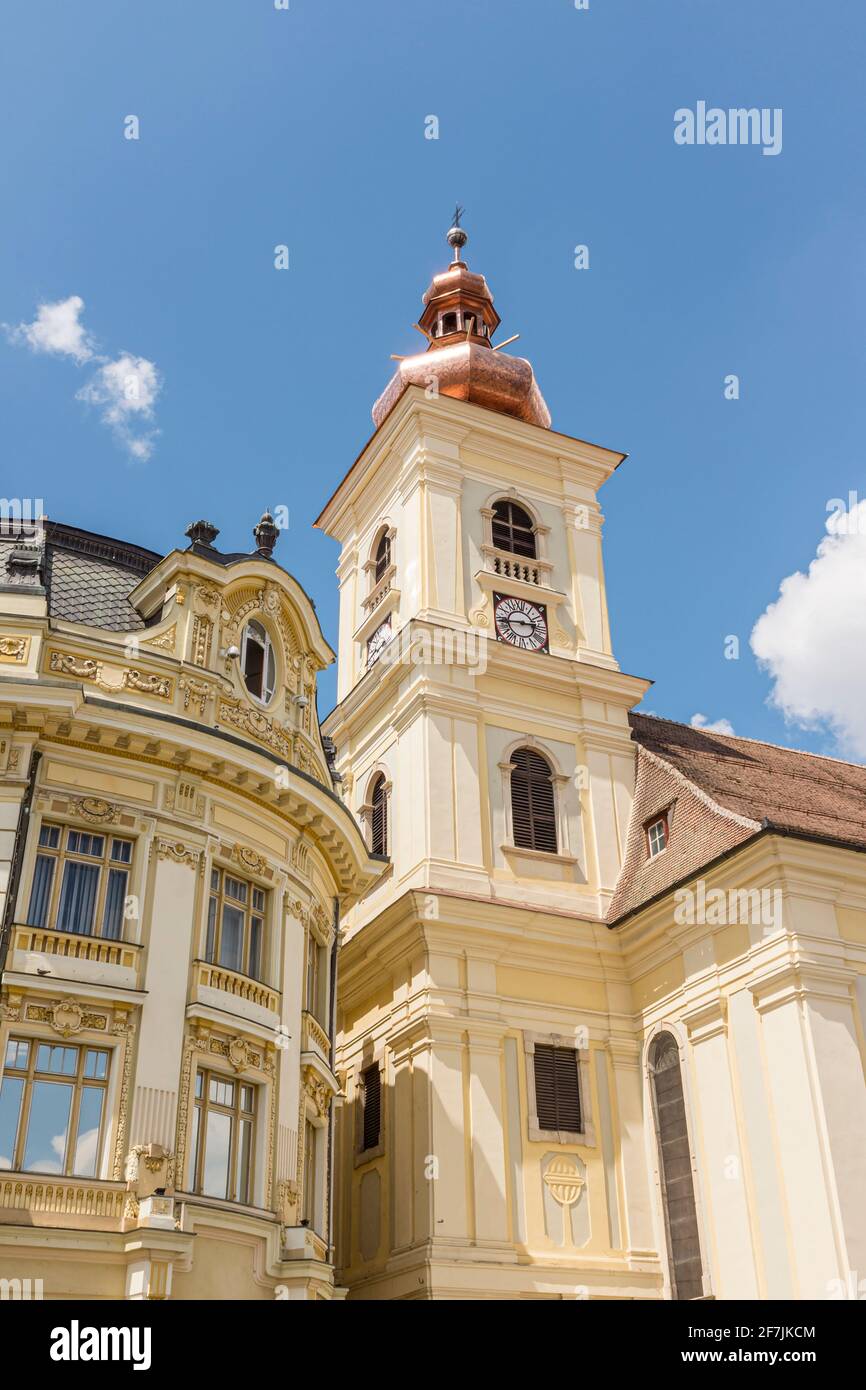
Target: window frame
{"type": "Point", "coordinates": [31, 1075]}
{"type": "Point", "coordinates": [61, 855]}
{"type": "Point", "coordinates": [649, 825]}
{"type": "Point", "coordinates": [214, 921]}
{"type": "Point", "coordinates": [366, 1155]}
{"type": "Point", "coordinates": [511, 504]}
{"type": "Point", "coordinates": [585, 1137]}
{"type": "Point", "coordinates": [269, 661]}
{"type": "Point", "coordinates": [553, 818]}
{"type": "Point", "coordinates": [201, 1107]}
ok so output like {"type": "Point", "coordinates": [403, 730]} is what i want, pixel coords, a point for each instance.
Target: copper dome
{"type": "Point", "coordinates": [459, 321]}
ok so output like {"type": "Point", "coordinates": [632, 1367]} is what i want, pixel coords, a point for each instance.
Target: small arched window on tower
{"type": "Point", "coordinates": [513, 529]}
{"type": "Point", "coordinates": [533, 802]}
{"type": "Point", "coordinates": [675, 1168]}
{"type": "Point", "coordinates": [379, 816]}
{"type": "Point", "coordinates": [382, 557]}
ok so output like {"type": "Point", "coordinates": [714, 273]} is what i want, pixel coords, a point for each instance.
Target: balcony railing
{"type": "Point", "coordinates": [315, 1039]}
{"type": "Point", "coordinates": [238, 986]}
{"type": "Point", "coordinates": [49, 1201]}
{"type": "Point", "coordinates": [380, 590]}
{"type": "Point", "coordinates": [48, 941]}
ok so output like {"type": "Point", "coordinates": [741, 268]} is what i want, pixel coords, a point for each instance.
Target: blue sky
{"type": "Point", "coordinates": [305, 127]}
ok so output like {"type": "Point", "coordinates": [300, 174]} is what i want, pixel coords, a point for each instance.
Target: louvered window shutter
{"type": "Point", "coordinates": [533, 807]}
{"type": "Point", "coordinates": [379, 818]}
{"type": "Point", "coordinates": [557, 1089]}
{"type": "Point", "coordinates": [512, 529]}
{"type": "Point", "coordinates": [372, 1107]}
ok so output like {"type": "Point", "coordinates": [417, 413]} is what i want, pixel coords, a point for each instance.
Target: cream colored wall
{"type": "Point", "coordinates": [773, 1054]}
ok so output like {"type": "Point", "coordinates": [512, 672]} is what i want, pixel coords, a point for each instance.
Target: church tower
{"type": "Point", "coordinates": [490, 1143]}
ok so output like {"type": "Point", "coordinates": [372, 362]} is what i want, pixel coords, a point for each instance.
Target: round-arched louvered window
{"type": "Point", "coordinates": [533, 804]}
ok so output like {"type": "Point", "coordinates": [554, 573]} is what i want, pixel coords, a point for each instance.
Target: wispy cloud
{"type": "Point", "coordinates": [716, 726]}
{"type": "Point", "coordinates": [57, 328]}
{"type": "Point", "coordinates": [124, 388]}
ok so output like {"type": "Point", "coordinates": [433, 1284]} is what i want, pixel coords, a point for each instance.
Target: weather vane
{"type": "Point", "coordinates": [458, 213]}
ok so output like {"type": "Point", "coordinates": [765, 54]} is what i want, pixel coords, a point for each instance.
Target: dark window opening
{"type": "Point", "coordinates": [383, 556]}
{"type": "Point", "coordinates": [675, 1169]}
{"type": "Point", "coordinates": [557, 1089]}
{"type": "Point", "coordinates": [513, 529]}
{"type": "Point", "coordinates": [379, 817]}
{"type": "Point", "coordinates": [372, 1101]}
{"type": "Point", "coordinates": [533, 806]}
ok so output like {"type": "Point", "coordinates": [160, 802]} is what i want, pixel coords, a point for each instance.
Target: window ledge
{"type": "Point", "coordinates": [544, 855]}
{"type": "Point", "coordinates": [585, 1139]}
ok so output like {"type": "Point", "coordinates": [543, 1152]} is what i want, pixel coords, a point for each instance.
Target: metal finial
{"type": "Point", "coordinates": [456, 236]}
{"type": "Point", "coordinates": [266, 534]}
{"type": "Point", "coordinates": [202, 533]}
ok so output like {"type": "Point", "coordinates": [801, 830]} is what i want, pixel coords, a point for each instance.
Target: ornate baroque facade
{"type": "Point", "coordinates": [173, 852]}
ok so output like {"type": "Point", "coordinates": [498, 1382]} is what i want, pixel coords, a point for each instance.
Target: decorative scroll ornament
{"type": "Point", "coordinates": [253, 722]}
{"type": "Point", "coordinates": [165, 641]}
{"type": "Point", "coordinates": [196, 693]}
{"type": "Point", "coordinates": [95, 809]}
{"type": "Point", "coordinates": [14, 649]}
{"type": "Point", "coordinates": [178, 852]}
{"type": "Point", "coordinates": [249, 859]}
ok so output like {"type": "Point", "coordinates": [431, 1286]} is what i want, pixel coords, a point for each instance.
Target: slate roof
{"type": "Point", "coordinates": [87, 577]}
{"type": "Point", "coordinates": [719, 791]}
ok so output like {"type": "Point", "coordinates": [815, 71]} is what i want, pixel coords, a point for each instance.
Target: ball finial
{"type": "Point", "coordinates": [456, 236]}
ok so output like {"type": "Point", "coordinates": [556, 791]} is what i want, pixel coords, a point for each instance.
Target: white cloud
{"type": "Point", "coordinates": [718, 726]}
{"type": "Point", "coordinates": [56, 328]}
{"type": "Point", "coordinates": [124, 388]}
{"type": "Point", "coordinates": [812, 640]}
{"type": "Point", "coordinates": [126, 391]}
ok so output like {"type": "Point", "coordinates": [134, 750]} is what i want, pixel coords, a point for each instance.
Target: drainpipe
{"type": "Point", "coordinates": [332, 1037]}
{"type": "Point", "coordinates": [18, 858]}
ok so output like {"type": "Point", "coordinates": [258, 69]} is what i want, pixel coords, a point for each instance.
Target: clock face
{"type": "Point", "coordinates": [520, 623]}
{"type": "Point", "coordinates": [380, 638]}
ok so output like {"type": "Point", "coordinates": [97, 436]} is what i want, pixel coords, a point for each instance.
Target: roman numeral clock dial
{"type": "Point", "coordinates": [520, 623]}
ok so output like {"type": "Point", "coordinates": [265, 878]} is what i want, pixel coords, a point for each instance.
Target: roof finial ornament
{"type": "Point", "coordinates": [456, 236]}
{"type": "Point", "coordinates": [202, 533]}
{"type": "Point", "coordinates": [266, 534]}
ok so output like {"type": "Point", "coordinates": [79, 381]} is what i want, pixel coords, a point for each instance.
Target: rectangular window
{"type": "Point", "coordinates": [223, 1138]}
{"type": "Point", "coordinates": [80, 882]}
{"type": "Point", "coordinates": [372, 1084]}
{"type": "Point", "coordinates": [52, 1108]}
{"type": "Point", "coordinates": [315, 978]}
{"type": "Point", "coordinates": [310, 1145]}
{"type": "Point", "coordinates": [657, 836]}
{"type": "Point", "coordinates": [557, 1089]}
{"type": "Point", "coordinates": [237, 912]}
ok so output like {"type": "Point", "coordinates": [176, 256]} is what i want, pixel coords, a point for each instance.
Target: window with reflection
{"type": "Point", "coordinates": [53, 1107]}
{"type": "Point", "coordinates": [80, 881]}
{"type": "Point", "coordinates": [236, 924]}
{"type": "Point", "coordinates": [223, 1140]}
{"type": "Point", "coordinates": [258, 663]}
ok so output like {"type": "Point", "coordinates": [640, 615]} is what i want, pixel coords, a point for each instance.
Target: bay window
{"type": "Point", "coordinates": [52, 1107]}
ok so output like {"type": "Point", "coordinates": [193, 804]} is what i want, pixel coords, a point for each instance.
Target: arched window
{"type": "Point", "coordinates": [675, 1168]}
{"type": "Point", "coordinates": [257, 663]}
{"type": "Point", "coordinates": [379, 816]}
{"type": "Point", "coordinates": [513, 528]}
{"type": "Point", "coordinates": [533, 805]}
{"type": "Point", "coordinates": [383, 557]}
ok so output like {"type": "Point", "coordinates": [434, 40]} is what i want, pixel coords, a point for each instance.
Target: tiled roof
{"type": "Point", "coordinates": [88, 578]}
{"type": "Point", "coordinates": [719, 791]}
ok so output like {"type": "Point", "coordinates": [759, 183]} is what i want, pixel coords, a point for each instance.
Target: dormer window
{"type": "Point", "coordinates": [513, 528]}
{"type": "Point", "coordinates": [258, 663]}
{"type": "Point", "coordinates": [656, 836]}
